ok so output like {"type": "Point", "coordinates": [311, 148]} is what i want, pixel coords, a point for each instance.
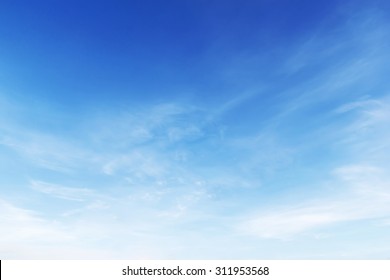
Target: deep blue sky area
{"type": "Point", "coordinates": [169, 129]}
{"type": "Point", "coordinates": [113, 51]}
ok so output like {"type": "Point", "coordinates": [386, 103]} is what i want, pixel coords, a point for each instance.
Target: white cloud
{"type": "Point", "coordinates": [232, 103]}
{"type": "Point", "coordinates": [18, 224]}
{"type": "Point", "coordinates": [357, 172]}
{"type": "Point", "coordinates": [46, 151]}
{"type": "Point", "coordinates": [284, 224]}
{"type": "Point", "coordinates": [363, 194]}
{"type": "Point", "coordinates": [357, 191]}
{"type": "Point", "coordinates": [138, 163]}
{"type": "Point", "coordinates": [77, 194]}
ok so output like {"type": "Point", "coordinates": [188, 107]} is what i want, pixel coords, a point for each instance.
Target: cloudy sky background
{"type": "Point", "coordinates": [194, 129]}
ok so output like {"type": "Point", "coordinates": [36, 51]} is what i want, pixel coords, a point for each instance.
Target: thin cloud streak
{"type": "Point", "coordinates": [77, 194]}
{"type": "Point", "coordinates": [362, 196]}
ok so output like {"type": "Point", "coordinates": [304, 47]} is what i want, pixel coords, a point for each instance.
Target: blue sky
{"type": "Point", "coordinates": [194, 129]}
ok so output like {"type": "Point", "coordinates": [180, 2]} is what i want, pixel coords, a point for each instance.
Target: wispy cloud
{"type": "Point", "coordinates": [45, 151]}
{"type": "Point", "coordinates": [77, 194]}
{"type": "Point", "coordinates": [18, 224]}
{"type": "Point", "coordinates": [360, 196]}
{"type": "Point", "coordinates": [357, 191]}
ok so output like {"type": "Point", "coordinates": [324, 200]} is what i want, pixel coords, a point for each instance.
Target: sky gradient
{"type": "Point", "coordinates": [194, 129]}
